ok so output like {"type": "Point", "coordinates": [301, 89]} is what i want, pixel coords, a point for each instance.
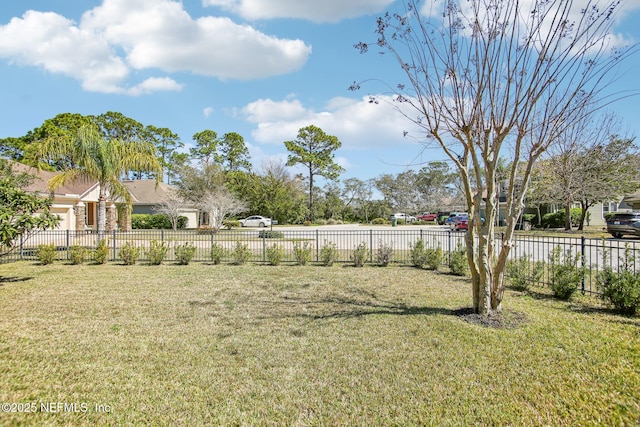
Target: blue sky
{"type": "Point", "coordinates": [262, 68]}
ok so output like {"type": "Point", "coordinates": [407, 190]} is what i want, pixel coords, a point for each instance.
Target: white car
{"type": "Point", "coordinates": [402, 217]}
{"type": "Point", "coordinates": [257, 221]}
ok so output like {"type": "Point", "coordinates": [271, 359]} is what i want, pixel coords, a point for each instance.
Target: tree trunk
{"type": "Point", "coordinates": [311, 213]}
{"type": "Point", "coordinates": [567, 217]}
{"type": "Point", "coordinates": [102, 211]}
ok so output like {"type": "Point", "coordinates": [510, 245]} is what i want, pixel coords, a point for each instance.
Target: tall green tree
{"type": "Point", "coordinates": [167, 143]}
{"type": "Point", "coordinates": [95, 157]}
{"type": "Point", "coordinates": [232, 153]}
{"type": "Point", "coordinates": [21, 213]}
{"type": "Point", "coordinates": [314, 150]}
{"type": "Point", "coordinates": [206, 147]}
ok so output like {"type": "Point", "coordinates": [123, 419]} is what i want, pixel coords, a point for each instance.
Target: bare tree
{"type": "Point", "coordinates": [588, 163]}
{"type": "Point", "coordinates": [220, 204]}
{"type": "Point", "coordinates": [171, 206]}
{"type": "Point", "coordinates": [492, 78]}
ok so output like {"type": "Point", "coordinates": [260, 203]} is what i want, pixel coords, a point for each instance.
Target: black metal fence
{"type": "Point", "coordinates": [594, 254]}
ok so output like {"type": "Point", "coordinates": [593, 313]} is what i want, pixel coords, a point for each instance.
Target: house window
{"type": "Point", "coordinates": [609, 207]}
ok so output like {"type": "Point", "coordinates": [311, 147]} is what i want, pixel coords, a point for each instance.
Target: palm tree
{"type": "Point", "coordinates": [104, 160]}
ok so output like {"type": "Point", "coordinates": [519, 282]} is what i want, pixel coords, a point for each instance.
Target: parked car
{"type": "Point", "coordinates": [460, 223]}
{"type": "Point", "coordinates": [621, 223]}
{"type": "Point", "coordinates": [427, 216]}
{"type": "Point", "coordinates": [453, 215]}
{"type": "Point", "coordinates": [399, 216]}
{"type": "Point", "coordinates": [257, 221]}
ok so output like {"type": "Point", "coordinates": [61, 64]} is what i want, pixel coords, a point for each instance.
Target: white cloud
{"type": "Point", "coordinates": [358, 123]}
{"type": "Point", "coordinates": [121, 35]}
{"type": "Point", "coordinates": [208, 111]}
{"type": "Point", "coordinates": [312, 10]}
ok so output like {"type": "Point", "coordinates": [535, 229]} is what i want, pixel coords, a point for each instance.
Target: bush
{"type": "Point", "coordinates": [274, 254]}
{"type": "Point", "coordinates": [433, 257]}
{"type": "Point", "coordinates": [241, 254]}
{"type": "Point", "coordinates": [129, 253]}
{"type": "Point", "coordinates": [522, 272]}
{"type": "Point", "coordinates": [101, 252]}
{"type": "Point", "coordinates": [78, 254]}
{"type": "Point", "coordinates": [307, 223]}
{"type": "Point", "coordinates": [566, 276]}
{"type": "Point", "coordinates": [46, 253]}
{"type": "Point", "coordinates": [185, 253]}
{"type": "Point", "coordinates": [302, 253]}
{"type": "Point", "coordinates": [621, 288]}
{"type": "Point", "coordinates": [556, 219]}
{"type": "Point", "coordinates": [385, 254]}
{"type": "Point", "coordinates": [270, 234]}
{"type": "Point", "coordinates": [218, 253]}
{"type": "Point", "coordinates": [379, 221]}
{"type": "Point", "coordinates": [458, 263]}
{"type": "Point", "coordinates": [231, 223]}
{"type": "Point", "coordinates": [328, 254]}
{"type": "Point", "coordinates": [157, 252]}
{"type": "Point", "coordinates": [155, 222]}
{"type": "Point", "coordinates": [359, 255]}
{"type": "Point", "coordinates": [417, 254]}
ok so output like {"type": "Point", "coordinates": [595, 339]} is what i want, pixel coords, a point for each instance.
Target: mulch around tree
{"type": "Point", "coordinates": [506, 319]}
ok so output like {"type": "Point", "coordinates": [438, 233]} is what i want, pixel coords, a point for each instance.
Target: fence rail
{"type": "Point", "coordinates": [594, 254]}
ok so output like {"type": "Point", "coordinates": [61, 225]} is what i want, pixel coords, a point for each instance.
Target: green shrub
{"type": "Point", "coordinates": [270, 234]}
{"type": "Point", "coordinates": [417, 254]}
{"type": "Point", "coordinates": [328, 254]}
{"type": "Point", "coordinates": [185, 253]}
{"type": "Point", "coordinates": [218, 253]}
{"type": "Point", "coordinates": [433, 257]}
{"type": "Point", "coordinates": [157, 252]}
{"type": "Point", "coordinates": [274, 254]}
{"type": "Point", "coordinates": [78, 254]}
{"type": "Point", "coordinates": [557, 219]}
{"type": "Point", "coordinates": [101, 253]}
{"type": "Point", "coordinates": [359, 255]}
{"type": "Point", "coordinates": [621, 288]}
{"type": "Point", "coordinates": [566, 276]}
{"type": "Point", "coordinates": [522, 272]}
{"type": "Point", "coordinates": [302, 252]}
{"type": "Point", "coordinates": [231, 223]}
{"type": "Point", "coordinates": [384, 254]}
{"type": "Point", "coordinates": [379, 221]}
{"type": "Point", "coordinates": [155, 222]}
{"type": "Point", "coordinates": [241, 254]}
{"type": "Point", "coordinates": [458, 263]}
{"type": "Point", "coordinates": [46, 253]}
{"type": "Point", "coordinates": [129, 253]}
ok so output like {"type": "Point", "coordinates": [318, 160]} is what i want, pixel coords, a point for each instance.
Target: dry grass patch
{"type": "Point", "coordinates": [289, 345]}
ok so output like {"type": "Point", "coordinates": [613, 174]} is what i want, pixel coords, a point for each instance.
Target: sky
{"type": "Point", "coordinates": [261, 68]}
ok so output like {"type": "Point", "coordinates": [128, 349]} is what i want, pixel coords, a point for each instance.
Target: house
{"type": "Point", "coordinates": [148, 195]}
{"type": "Point", "coordinates": [76, 203]}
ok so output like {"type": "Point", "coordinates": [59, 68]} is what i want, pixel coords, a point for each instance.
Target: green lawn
{"type": "Point", "coordinates": [291, 345]}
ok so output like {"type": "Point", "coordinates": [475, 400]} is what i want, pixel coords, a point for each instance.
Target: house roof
{"type": "Point", "coordinates": [148, 191]}
{"type": "Point", "coordinates": [41, 181]}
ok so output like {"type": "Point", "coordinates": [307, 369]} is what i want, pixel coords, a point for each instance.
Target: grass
{"type": "Point", "coordinates": [291, 345]}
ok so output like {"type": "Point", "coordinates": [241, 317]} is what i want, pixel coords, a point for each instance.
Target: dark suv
{"type": "Point", "coordinates": [621, 223]}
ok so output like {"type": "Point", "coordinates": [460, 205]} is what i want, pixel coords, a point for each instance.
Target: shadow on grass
{"type": "Point", "coordinates": [4, 279]}
{"type": "Point", "coordinates": [339, 307]}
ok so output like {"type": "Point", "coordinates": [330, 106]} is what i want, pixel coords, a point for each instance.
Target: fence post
{"type": "Point", "coordinates": [449, 244]}
{"type": "Point", "coordinates": [264, 246]}
{"type": "Point", "coordinates": [371, 246]}
{"type": "Point", "coordinates": [162, 235]}
{"type": "Point", "coordinates": [21, 247]}
{"type": "Point", "coordinates": [583, 262]}
{"type": "Point", "coordinates": [317, 245]}
{"type": "Point", "coordinates": [68, 242]}
{"type": "Point", "coordinates": [115, 255]}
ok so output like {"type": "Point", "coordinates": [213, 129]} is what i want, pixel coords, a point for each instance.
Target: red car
{"type": "Point", "coordinates": [460, 223]}
{"type": "Point", "coordinates": [427, 216]}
